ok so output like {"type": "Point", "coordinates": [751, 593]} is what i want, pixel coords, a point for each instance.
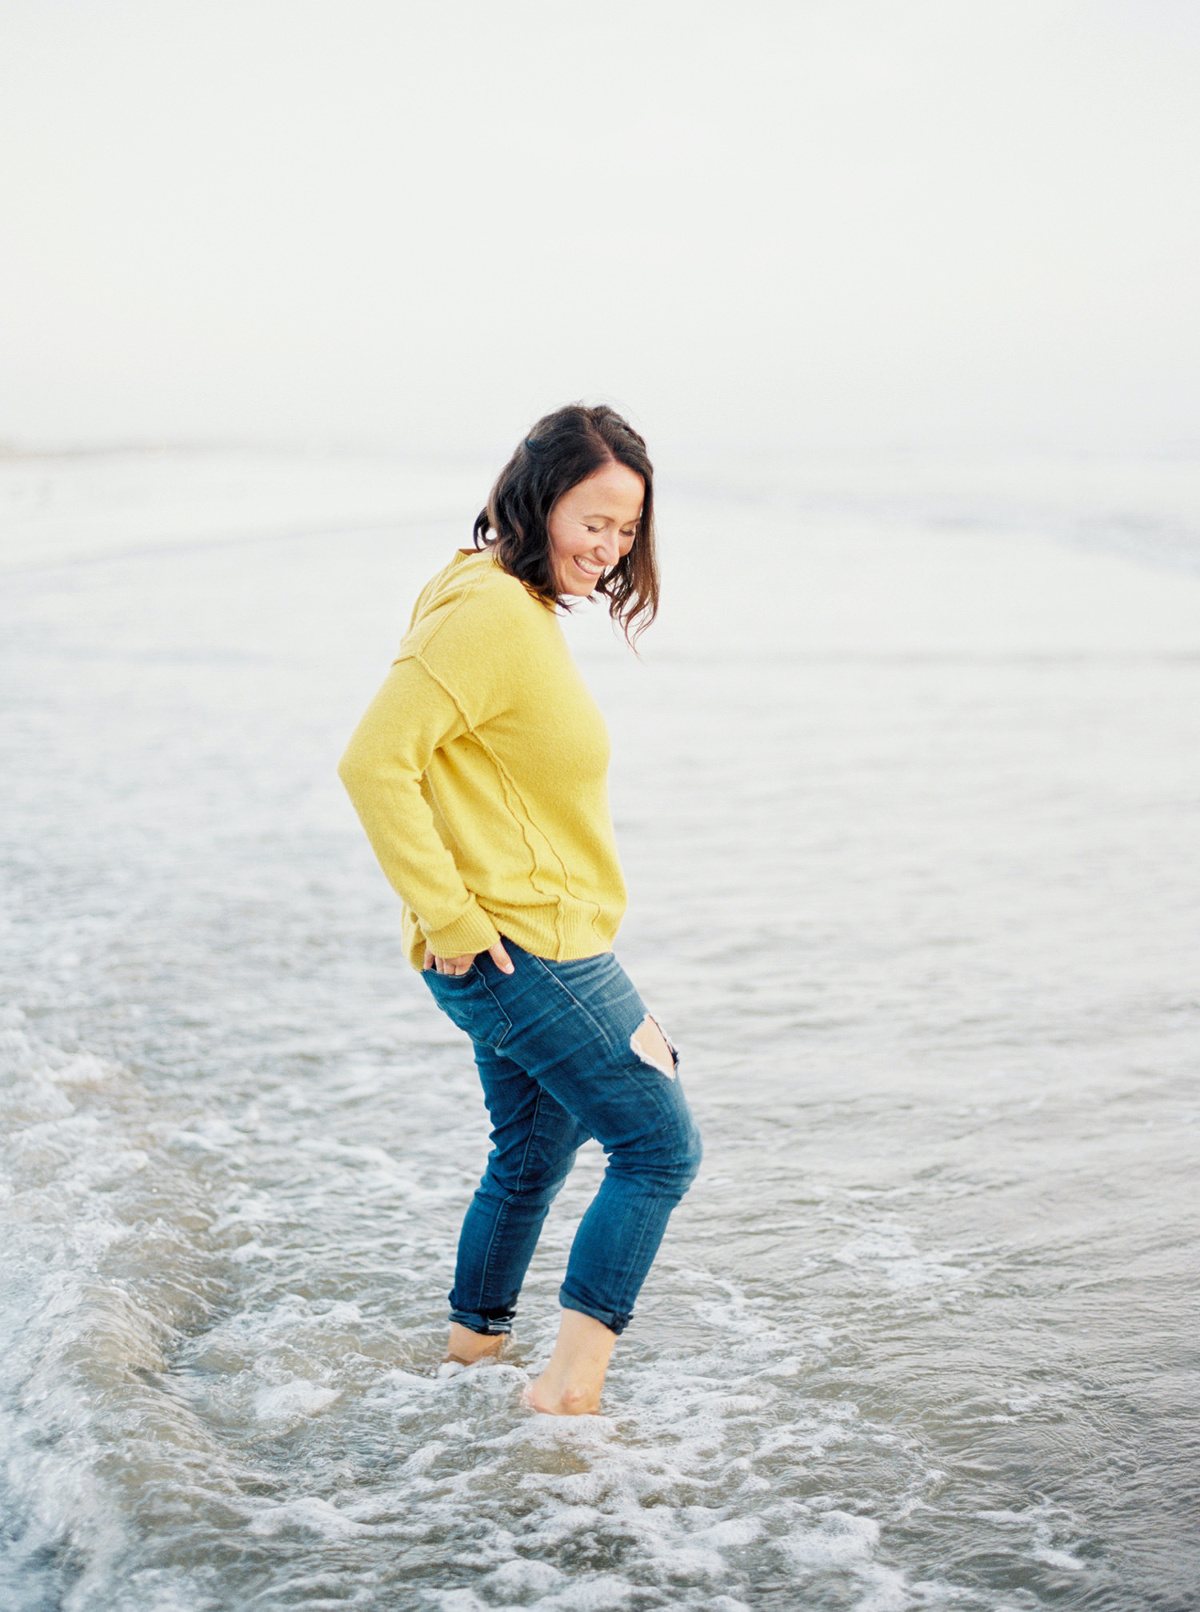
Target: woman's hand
{"type": "Point", "coordinates": [460, 965]}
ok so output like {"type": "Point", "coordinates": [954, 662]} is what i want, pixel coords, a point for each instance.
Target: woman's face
{"type": "Point", "coordinates": [592, 525]}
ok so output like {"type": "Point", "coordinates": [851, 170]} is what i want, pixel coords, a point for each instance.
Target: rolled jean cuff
{"type": "Point", "coordinates": [609, 1318]}
{"type": "Point", "coordinates": [487, 1327]}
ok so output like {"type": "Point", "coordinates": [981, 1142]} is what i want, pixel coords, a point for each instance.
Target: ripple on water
{"type": "Point", "coordinates": [923, 924]}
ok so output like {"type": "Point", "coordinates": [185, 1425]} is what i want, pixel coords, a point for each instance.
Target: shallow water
{"type": "Point", "coordinates": [908, 814]}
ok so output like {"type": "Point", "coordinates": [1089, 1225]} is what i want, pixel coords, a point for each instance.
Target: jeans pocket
{"type": "Point", "coordinates": [467, 1002]}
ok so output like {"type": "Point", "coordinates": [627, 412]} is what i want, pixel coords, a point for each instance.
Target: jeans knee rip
{"type": "Point", "coordinates": [651, 1054]}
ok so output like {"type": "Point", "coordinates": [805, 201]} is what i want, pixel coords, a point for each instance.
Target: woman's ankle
{"type": "Point", "coordinates": [574, 1376]}
{"type": "Point", "coordinates": [465, 1347]}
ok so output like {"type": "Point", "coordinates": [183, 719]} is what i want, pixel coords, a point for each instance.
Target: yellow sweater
{"type": "Point", "coordinates": [480, 774]}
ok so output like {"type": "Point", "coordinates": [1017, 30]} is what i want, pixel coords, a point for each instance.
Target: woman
{"type": "Point", "coordinates": [480, 774]}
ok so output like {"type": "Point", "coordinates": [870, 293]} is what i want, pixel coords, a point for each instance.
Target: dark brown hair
{"type": "Point", "coordinates": [562, 450]}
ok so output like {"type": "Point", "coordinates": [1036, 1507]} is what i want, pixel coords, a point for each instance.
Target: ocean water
{"type": "Point", "coordinates": [906, 783]}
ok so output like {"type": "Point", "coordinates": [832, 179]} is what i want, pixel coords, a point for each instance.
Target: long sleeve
{"type": "Point", "coordinates": [389, 753]}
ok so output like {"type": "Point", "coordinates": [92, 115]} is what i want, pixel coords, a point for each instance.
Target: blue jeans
{"type": "Point", "coordinates": [553, 1046]}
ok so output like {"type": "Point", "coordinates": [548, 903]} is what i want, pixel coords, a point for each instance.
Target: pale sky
{"type": "Point", "coordinates": [787, 224]}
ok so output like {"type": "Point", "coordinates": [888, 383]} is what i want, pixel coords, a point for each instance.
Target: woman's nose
{"type": "Point", "coordinates": [608, 549]}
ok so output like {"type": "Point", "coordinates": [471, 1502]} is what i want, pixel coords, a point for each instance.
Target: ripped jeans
{"type": "Point", "coordinates": [554, 1047]}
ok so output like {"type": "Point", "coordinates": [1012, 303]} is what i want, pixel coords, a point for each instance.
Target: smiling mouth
{"type": "Point", "coordinates": [589, 568]}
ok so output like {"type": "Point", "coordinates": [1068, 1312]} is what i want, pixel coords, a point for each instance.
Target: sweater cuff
{"type": "Point", "coordinates": [473, 932]}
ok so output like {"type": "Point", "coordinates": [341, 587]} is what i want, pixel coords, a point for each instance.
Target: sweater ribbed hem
{"type": "Point", "coordinates": [558, 933]}
{"type": "Point", "coordinates": [473, 932]}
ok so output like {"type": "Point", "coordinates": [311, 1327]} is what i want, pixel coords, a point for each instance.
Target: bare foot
{"type": "Point", "coordinates": [466, 1348]}
{"type": "Point", "coordinates": [571, 1382]}
{"type": "Point", "coordinates": [567, 1404]}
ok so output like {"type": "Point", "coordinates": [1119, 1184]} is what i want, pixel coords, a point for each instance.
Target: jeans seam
{"type": "Point", "coordinates": [505, 1020]}
{"type": "Point", "coordinates": [509, 1197]}
{"type": "Point", "coordinates": [533, 1125]}
{"type": "Point", "coordinates": [486, 1263]}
